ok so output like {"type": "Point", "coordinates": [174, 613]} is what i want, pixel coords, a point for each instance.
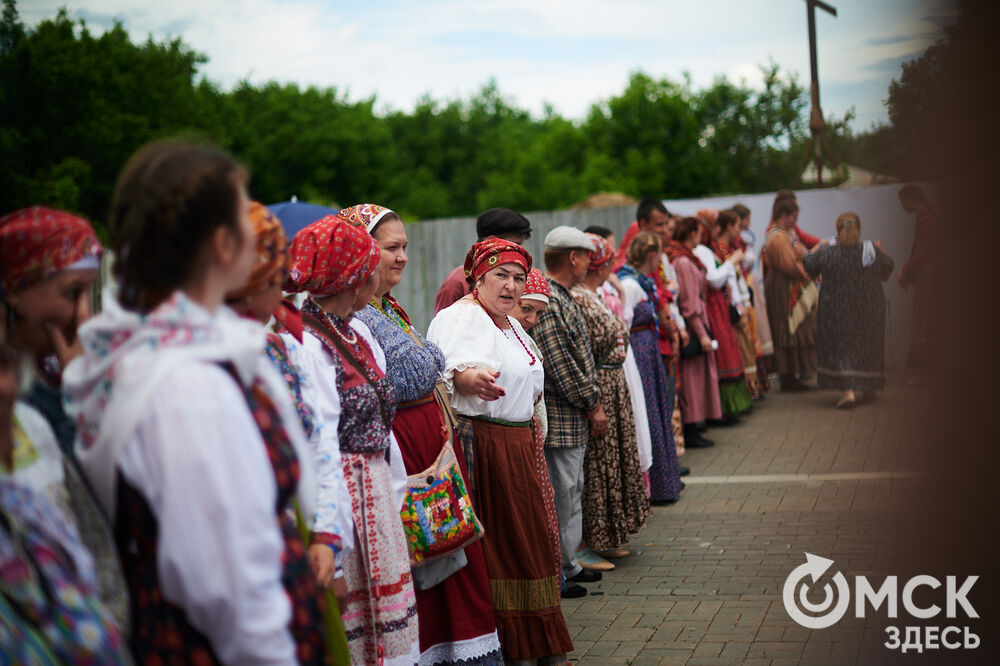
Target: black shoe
{"type": "Point", "coordinates": [685, 470]}
{"type": "Point", "coordinates": [793, 386]}
{"type": "Point", "coordinates": [573, 592]}
{"type": "Point", "coordinates": [586, 576]}
{"type": "Point", "coordinates": [698, 442]}
{"type": "Point", "coordinates": [662, 502]}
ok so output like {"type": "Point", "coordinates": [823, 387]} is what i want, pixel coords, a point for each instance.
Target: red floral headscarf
{"type": "Point", "coordinates": [272, 253]}
{"type": "Point", "coordinates": [602, 252]}
{"type": "Point", "coordinates": [37, 242]}
{"type": "Point", "coordinates": [492, 252]}
{"type": "Point", "coordinates": [331, 256]}
{"type": "Point", "coordinates": [536, 286]}
{"type": "Point", "coordinates": [364, 215]}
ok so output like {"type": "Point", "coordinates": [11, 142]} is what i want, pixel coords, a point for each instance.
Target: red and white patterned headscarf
{"type": "Point", "coordinates": [330, 256]}
{"type": "Point", "coordinates": [536, 287]}
{"type": "Point", "coordinates": [364, 215]}
{"type": "Point", "coordinates": [486, 255]}
{"type": "Point", "coordinates": [602, 252]}
{"type": "Point", "coordinates": [37, 242]}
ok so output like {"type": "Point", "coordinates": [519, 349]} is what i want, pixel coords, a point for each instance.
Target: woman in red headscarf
{"type": "Point", "coordinates": [615, 503]}
{"type": "Point", "coordinates": [337, 264]}
{"type": "Point", "coordinates": [48, 264]}
{"type": "Point", "coordinates": [495, 379]}
{"type": "Point", "coordinates": [454, 606]}
{"type": "Point", "coordinates": [331, 527]}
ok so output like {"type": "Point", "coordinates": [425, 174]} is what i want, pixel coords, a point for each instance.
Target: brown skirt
{"type": "Point", "coordinates": [524, 579]}
{"type": "Point", "coordinates": [794, 353]}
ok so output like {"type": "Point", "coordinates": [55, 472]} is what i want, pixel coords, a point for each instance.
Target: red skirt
{"type": "Point", "coordinates": [459, 609]}
{"type": "Point", "coordinates": [728, 357]}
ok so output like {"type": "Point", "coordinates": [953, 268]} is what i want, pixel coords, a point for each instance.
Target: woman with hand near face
{"type": "Point", "coordinates": [48, 264]}
{"type": "Point", "coordinates": [456, 615]}
{"type": "Point", "coordinates": [495, 379]}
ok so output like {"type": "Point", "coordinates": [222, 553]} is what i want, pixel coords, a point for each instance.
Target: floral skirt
{"type": "Point", "coordinates": [664, 475]}
{"type": "Point", "coordinates": [380, 617]}
{"type": "Point", "coordinates": [615, 503]}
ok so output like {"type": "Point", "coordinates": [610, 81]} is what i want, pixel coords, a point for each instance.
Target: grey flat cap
{"type": "Point", "coordinates": [568, 238]}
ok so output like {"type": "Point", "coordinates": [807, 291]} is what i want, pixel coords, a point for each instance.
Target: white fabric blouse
{"type": "Point", "coordinates": [203, 468]}
{"type": "Point", "coordinates": [724, 274]}
{"type": "Point", "coordinates": [333, 502]}
{"type": "Point", "coordinates": [633, 295]}
{"type": "Point", "coordinates": [46, 472]}
{"type": "Point", "coordinates": [717, 276]}
{"type": "Point", "coordinates": [319, 390]}
{"type": "Point", "coordinates": [469, 338]}
{"type": "Point", "coordinates": [176, 426]}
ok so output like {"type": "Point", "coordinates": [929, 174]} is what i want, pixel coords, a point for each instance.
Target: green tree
{"type": "Point", "coordinates": [76, 106]}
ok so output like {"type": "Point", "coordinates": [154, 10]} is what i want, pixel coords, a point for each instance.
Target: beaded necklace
{"type": "Point", "coordinates": [386, 307]}
{"type": "Point", "coordinates": [475, 295]}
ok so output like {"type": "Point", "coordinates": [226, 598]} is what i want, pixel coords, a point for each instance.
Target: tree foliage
{"type": "Point", "coordinates": [74, 106]}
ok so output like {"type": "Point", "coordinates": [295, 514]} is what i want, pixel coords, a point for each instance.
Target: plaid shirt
{"type": "Point", "coordinates": [571, 388]}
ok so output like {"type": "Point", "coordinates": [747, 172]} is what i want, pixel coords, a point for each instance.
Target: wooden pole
{"type": "Point", "coordinates": [817, 126]}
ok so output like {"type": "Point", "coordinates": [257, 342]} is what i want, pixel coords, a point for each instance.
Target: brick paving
{"type": "Point", "coordinates": [704, 582]}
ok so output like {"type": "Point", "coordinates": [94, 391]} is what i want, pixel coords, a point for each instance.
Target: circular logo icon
{"type": "Point", "coordinates": [826, 613]}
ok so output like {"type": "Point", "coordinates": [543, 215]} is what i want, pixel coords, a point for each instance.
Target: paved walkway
{"type": "Point", "coordinates": [704, 582]}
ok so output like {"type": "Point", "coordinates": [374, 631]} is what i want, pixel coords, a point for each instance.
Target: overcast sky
{"type": "Point", "coordinates": [567, 53]}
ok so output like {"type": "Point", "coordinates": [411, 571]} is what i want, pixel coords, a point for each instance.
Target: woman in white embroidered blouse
{"type": "Point", "coordinates": [494, 379]}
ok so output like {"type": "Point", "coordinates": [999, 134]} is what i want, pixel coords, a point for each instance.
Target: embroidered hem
{"type": "Point", "coordinates": [480, 651]}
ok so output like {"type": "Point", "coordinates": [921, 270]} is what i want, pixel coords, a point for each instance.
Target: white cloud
{"type": "Point", "coordinates": [570, 54]}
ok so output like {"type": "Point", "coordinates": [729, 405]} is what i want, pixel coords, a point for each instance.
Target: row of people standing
{"type": "Point", "coordinates": [243, 472]}
{"type": "Point", "coordinates": [700, 283]}
{"type": "Point", "coordinates": [593, 397]}
{"type": "Point", "coordinates": [281, 458]}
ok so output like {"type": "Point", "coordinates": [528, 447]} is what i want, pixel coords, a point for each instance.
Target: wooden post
{"type": "Point", "coordinates": [817, 126]}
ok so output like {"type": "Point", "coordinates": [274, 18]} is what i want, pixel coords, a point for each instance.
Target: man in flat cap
{"type": "Point", "coordinates": [493, 223]}
{"type": "Point", "coordinates": [572, 396]}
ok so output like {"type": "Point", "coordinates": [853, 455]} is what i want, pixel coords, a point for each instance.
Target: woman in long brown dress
{"type": "Point", "coordinates": [614, 501]}
{"type": "Point", "coordinates": [787, 289]}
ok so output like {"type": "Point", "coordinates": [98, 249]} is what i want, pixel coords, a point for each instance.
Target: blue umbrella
{"type": "Point", "coordinates": [295, 215]}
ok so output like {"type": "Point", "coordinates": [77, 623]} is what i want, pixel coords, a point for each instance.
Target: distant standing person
{"type": "Point", "coordinates": [915, 273]}
{"type": "Point", "coordinates": [789, 300]}
{"type": "Point", "coordinates": [850, 339]}
{"type": "Point", "coordinates": [493, 223]}
{"type": "Point", "coordinates": [572, 392]}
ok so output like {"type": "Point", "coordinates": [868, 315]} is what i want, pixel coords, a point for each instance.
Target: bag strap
{"type": "Point", "coordinates": [440, 393]}
{"type": "Point", "coordinates": [317, 327]}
